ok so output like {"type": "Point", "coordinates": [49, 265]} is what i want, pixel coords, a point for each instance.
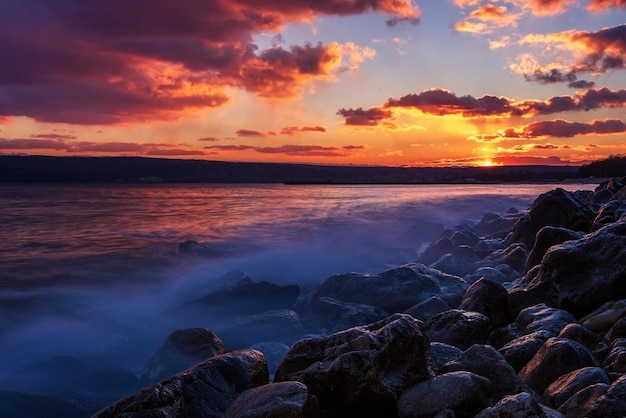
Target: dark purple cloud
{"type": "Point", "coordinates": [249, 133]}
{"type": "Point", "coordinates": [444, 102]}
{"type": "Point", "coordinates": [364, 117]}
{"type": "Point", "coordinates": [293, 130]}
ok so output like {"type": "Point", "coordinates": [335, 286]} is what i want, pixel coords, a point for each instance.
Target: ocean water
{"type": "Point", "coordinates": [88, 273]}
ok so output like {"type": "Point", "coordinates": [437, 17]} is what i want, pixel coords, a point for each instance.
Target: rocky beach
{"type": "Point", "coordinates": [521, 314]}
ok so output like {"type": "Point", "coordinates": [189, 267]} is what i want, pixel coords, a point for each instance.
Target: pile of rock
{"type": "Point", "coordinates": [522, 314]}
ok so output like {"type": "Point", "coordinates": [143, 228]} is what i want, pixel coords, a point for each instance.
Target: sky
{"type": "Point", "coordinates": [364, 82]}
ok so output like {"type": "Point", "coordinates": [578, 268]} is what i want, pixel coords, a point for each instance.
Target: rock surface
{"type": "Point", "coordinates": [459, 328]}
{"type": "Point", "coordinates": [276, 400]}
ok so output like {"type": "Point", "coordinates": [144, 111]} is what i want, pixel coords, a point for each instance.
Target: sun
{"type": "Point", "coordinates": [486, 163]}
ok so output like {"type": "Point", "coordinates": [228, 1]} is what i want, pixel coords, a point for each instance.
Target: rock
{"type": "Point", "coordinates": [522, 349]}
{"type": "Point", "coordinates": [547, 237]}
{"type": "Point", "coordinates": [273, 352]}
{"type": "Point", "coordinates": [392, 291]}
{"type": "Point", "coordinates": [436, 250]}
{"type": "Point", "coordinates": [489, 273]}
{"type": "Point", "coordinates": [336, 315]}
{"type": "Point", "coordinates": [441, 353]}
{"type": "Point", "coordinates": [557, 208]}
{"type": "Point", "coordinates": [582, 401]}
{"type": "Point", "coordinates": [489, 298]}
{"type": "Point", "coordinates": [493, 225]}
{"type": "Point", "coordinates": [276, 400]}
{"type": "Point", "coordinates": [514, 255]}
{"type": "Point", "coordinates": [578, 276]}
{"type": "Point", "coordinates": [485, 361]}
{"type": "Point", "coordinates": [464, 237]}
{"type": "Point", "coordinates": [579, 333]}
{"type": "Point", "coordinates": [459, 328]}
{"type": "Point", "coordinates": [281, 325]}
{"type": "Point", "coordinates": [459, 262]}
{"type": "Point", "coordinates": [518, 405]}
{"type": "Point", "coordinates": [192, 247]}
{"type": "Point", "coordinates": [612, 403]}
{"type": "Point", "coordinates": [567, 385]}
{"type": "Point", "coordinates": [618, 330]}
{"type": "Point", "coordinates": [609, 213]}
{"type": "Point", "coordinates": [540, 317]}
{"type": "Point", "coordinates": [181, 350]}
{"type": "Point", "coordinates": [615, 360]}
{"type": "Point", "coordinates": [603, 318]}
{"type": "Point", "coordinates": [463, 392]}
{"type": "Point", "coordinates": [430, 307]}
{"type": "Point", "coordinates": [501, 336]}
{"type": "Point", "coordinates": [360, 371]}
{"type": "Point", "coordinates": [26, 405]}
{"type": "Point", "coordinates": [556, 357]}
{"type": "Point", "coordinates": [206, 390]}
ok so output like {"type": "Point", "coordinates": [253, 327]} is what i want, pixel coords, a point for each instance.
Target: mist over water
{"type": "Point", "coordinates": [92, 281]}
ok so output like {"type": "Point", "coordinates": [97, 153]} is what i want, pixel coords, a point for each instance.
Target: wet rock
{"type": "Point", "coordinates": [276, 400]}
{"type": "Point", "coordinates": [360, 371]}
{"type": "Point", "coordinates": [489, 273]}
{"type": "Point", "coordinates": [489, 298]}
{"type": "Point", "coordinates": [464, 393]}
{"type": "Point", "coordinates": [459, 262]}
{"type": "Point", "coordinates": [522, 349]}
{"type": "Point", "coordinates": [441, 353]}
{"type": "Point", "coordinates": [181, 350]}
{"type": "Point", "coordinates": [459, 328]}
{"type": "Point", "coordinates": [579, 333]}
{"type": "Point", "coordinates": [582, 401]}
{"type": "Point", "coordinates": [609, 213]}
{"type": "Point", "coordinates": [547, 237]}
{"type": "Point", "coordinates": [281, 325]}
{"type": "Point", "coordinates": [518, 405]}
{"type": "Point", "coordinates": [493, 225]}
{"type": "Point", "coordinates": [578, 276]}
{"type": "Point", "coordinates": [603, 318]}
{"type": "Point", "coordinates": [501, 336]}
{"type": "Point", "coordinates": [618, 330]}
{"type": "Point", "coordinates": [557, 208]}
{"type": "Point", "coordinates": [436, 250]}
{"type": "Point", "coordinates": [336, 315]}
{"type": "Point", "coordinates": [392, 291]}
{"type": "Point", "coordinates": [567, 385]}
{"type": "Point", "coordinates": [540, 317]}
{"type": "Point", "coordinates": [26, 405]}
{"type": "Point", "coordinates": [611, 403]}
{"type": "Point", "coordinates": [206, 390]}
{"type": "Point", "coordinates": [555, 358]}
{"type": "Point", "coordinates": [430, 307]}
{"type": "Point", "coordinates": [615, 360]}
{"type": "Point", "coordinates": [464, 237]}
{"type": "Point", "coordinates": [514, 255]}
{"type": "Point", "coordinates": [485, 361]}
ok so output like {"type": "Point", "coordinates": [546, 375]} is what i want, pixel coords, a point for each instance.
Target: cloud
{"type": "Point", "coordinates": [249, 133]}
{"type": "Point", "coordinates": [106, 147]}
{"type": "Point", "coordinates": [582, 84]}
{"type": "Point", "coordinates": [53, 136]}
{"type": "Point", "coordinates": [547, 7]}
{"type": "Point", "coordinates": [174, 152]}
{"type": "Point", "coordinates": [293, 130]}
{"type": "Point", "coordinates": [558, 128]}
{"type": "Point", "coordinates": [229, 147]}
{"type": "Point", "coordinates": [596, 6]}
{"type": "Point", "coordinates": [487, 18]}
{"type": "Point", "coordinates": [364, 117]}
{"type": "Point", "coordinates": [292, 150]}
{"type": "Point", "coordinates": [209, 139]}
{"type": "Point", "coordinates": [25, 144]}
{"type": "Point", "coordinates": [115, 62]}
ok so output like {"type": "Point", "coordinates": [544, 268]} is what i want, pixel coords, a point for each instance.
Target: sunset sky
{"type": "Point", "coordinates": [385, 82]}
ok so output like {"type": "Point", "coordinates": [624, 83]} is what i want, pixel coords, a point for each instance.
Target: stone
{"type": "Point", "coordinates": [567, 385]}
{"type": "Point", "coordinates": [336, 315]}
{"type": "Point", "coordinates": [464, 393]}
{"type": "Point", "coordinates": [579, 404]}
{"type": "Point", "coordinates": [489, 298]}
{"type": "Point", "coordinates": [489, 273]}
{"type": "Point", "coordinates": [542, 318]}
{"type": "Point", "coordinates": [276, 400]}
{"type": "Point", "coordinates": [430, 307]}
{"type": "Point", "coordinates": [459, 328]}
{"type": "Point", "coordinates": [493, 225]}
{"type": "Point", "coordinates": [487, 246]}
{"type": "Point", "coordinates": [604, 317]}
{"type": "Point", "coordinates": [578, 332]}
{"type": "Point", "coordinates": [547, 237]}
{"type": "Point", "coordinates": [518, 405]}
{"type": "Point", "coordinates": [392, 291]}
{"type": "Point", "coordinates": [206, 389]}
{"type": "Point", "coordinates": [441, 353]}
{"type": "Point", "coordinates": [522, 349]}
{"type": "Point", "coordinates": [618, 330]}
{"type": "Point", "coordinates": [281, 325]}
{"type": "Point", "coordinates": [556, 357]}
{"type": "Point", "coordinates": [436, 250]}
{"type": "Point", "coordinates": [612, 403]}
{"type": "Point", "coordinates": [486, 361]}
{"type": "Point", "coordinates": [557, 208]}
{"type": "Point", "coordinates": [459, 263]}
{"type": "Point", "coordinates": [182, 349]}
{"type": "Point", "coordinates": [609, 213]}
{"type": "Point", "coordinates": [615, 360]}
{"type": "Point", "coordinates": [360, 371]}
{"type": "Point", "coordinates": [514, 255]}
{"type": "Point", "coordinates": [578, 276]}
{"type": "Point", "coordinates": [465, 237]}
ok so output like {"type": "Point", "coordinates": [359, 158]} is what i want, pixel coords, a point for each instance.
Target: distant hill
{"type": "Point", "coordinates": [613, 166]}
{"type": "Point", "coordinates": [42, 169]}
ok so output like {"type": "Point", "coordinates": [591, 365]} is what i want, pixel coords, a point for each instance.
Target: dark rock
{"type": "Point", "coordinates": [496, 226]}
{"type": "Point", "coordinates": [579, 333]}
{"type": "Point", "coordinates": [489, 273]}
{"type": "Point", "coordinates": [540, 317]}
{"type": "Point", "coordinates": [463, 392]}
{"type": "Point", "coordinates": [459, 262]}
{"type": "Point", "coordinates": [181, 350]}
{"type": "Point", "coordinates": [488, 246]}
{"type": "Point", "coordinates": [609, 213]}
{"type": "Point", "coordinates": [206, 390]}
{"type": "Point", "coordinates": [273, 352]}
{"type": "Point", "coordinates": [519, 405]}
{"type": "Point", "coordinates": [603, 318]}
{"type": "Point", "coordinates": [615, 360]}
{"type": "Point", "coordinates": [547, 237]}
{"type": "Point", "coordinates": [485, 361]}
{"type": "Point", "coordinates": [192, 247]}
{"type": "Point", "coordinates": [430, 307]}
{"type": "Point", "coordinates": [360, 371]}
{"type": "Point", "coordinates": [555, 358]}
{"type": "Point", "coordinates": [490, 299]}
{"type": "Point", "coordinates": [281, 325]}
{"type": "Point", "coordinates": [514, 255]}
{"type": "Point", "coordinates": [276, 400]}
{"type": "Point", "coordinates": [612, 403]}
{"type": "Point", "coordinates": [26, 405]}
{"type": "Point", "coordinates": [441, 353]}
{"type": "Point", "coordinates": [464, 237]}
{"type": "Point", "coordinates": [582, 401]}
{"type": "Point", "coordinates": [501, 336]}
{"type": "Point", "coordinates": [336, 315]}
{"type": "Point", "coordinates": [567, 385]}
{"type": "Point", "coordinates": [436, 250]}
{"type": "Point", "coordinates": [459, 328]}
{"type": "Point", "coordinates": [392, 291]}
{"type": "Point", "coordinates": [522, 349]}
{"type": "Point", "coordinates": [618, 330]}
{"type": "Point", "coordinates": [554, 208]}
{"type": "Point", "coordinates": [578, 276]}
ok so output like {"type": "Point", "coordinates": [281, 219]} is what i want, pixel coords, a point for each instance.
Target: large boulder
{"type": "Point", "coordinates": [580, 403]}
{"type": "Point", "coordinates": [459, 328]}
{"type": "Point", "coordinates": [603, 318]}
{"type": "Point", "coordinates": [547, 237]}
{"type": "Point", "coordinates": [541, 318]}
{"type": "Point", "coordinates": [464, 393]}
{"type": "Point", "coordinates": [489, 298]}
{"type": "Point", "coordinates": [514, 256]}
{"type": "Point", "coordinates": [615, 360]}
{"type": "Point", "coordinates": [612, 403]}
{"type": "Point", "coordinates": [430, 307]}
{"type": "Point", "coordinates": [336, 315]}
{"type": "Point", "coordinates": [392, 291]}
{"type": "Point", "coordinates": [578, 276]}
{"type": "Point", "coordinates": [442, 353]}
{"type": "Point", "coordinates": [360, 371]}
{"type": "Point", "coordinates": [182, 349]}
{"type": "Point", "coordinates": [518, 405]}
{"type": "Point", "coordinates": [554, 208]}
{"type": "Point", "coordinates": [276, 400]}
{"type": "Point", "coordinates": [206, 390]}
{"type": "Point", "coordinates": [459, 262]}
{"type": "Point", "coordinates": [567, 385]}
{"type": "Point", "coordinates": [521, 350]}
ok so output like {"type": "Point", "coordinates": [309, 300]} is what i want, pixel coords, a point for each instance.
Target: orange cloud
{"type": "Point", "coordinates": [292, 130]}
{"type": "Point", "coordinates": [596, 6]}
{"type": "Point", "coordinates": [249, 133]}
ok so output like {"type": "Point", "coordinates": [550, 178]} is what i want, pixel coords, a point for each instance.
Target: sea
{"type": "Point", "coordinates": [89, 272]}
